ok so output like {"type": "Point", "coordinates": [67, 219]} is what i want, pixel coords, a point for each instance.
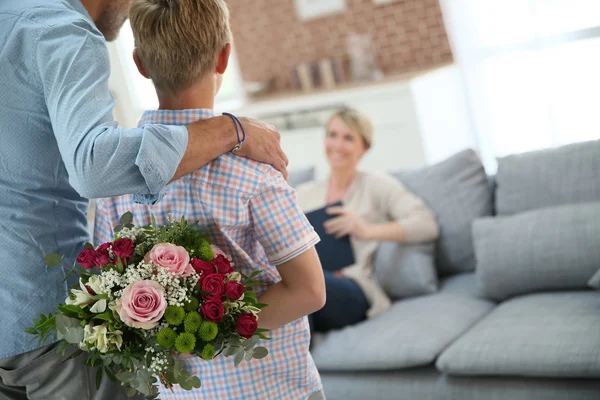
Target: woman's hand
{"type": "Point", "coordinates": [345, 223]}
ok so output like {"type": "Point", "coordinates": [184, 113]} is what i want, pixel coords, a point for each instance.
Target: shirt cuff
{"type": "Point", "coordinates": [150, 199]}
{"type": "Point", "coordinates": [286, 255]}
{"type": "Point", "coordinates": [160, 153]}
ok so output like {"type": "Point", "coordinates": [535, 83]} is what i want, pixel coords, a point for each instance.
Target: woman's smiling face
{"type": "Point", "coordinates": [344, 147]}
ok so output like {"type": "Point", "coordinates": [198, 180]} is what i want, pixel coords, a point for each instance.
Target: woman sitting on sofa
{"type": "Point", "coordinates": [376, 208]}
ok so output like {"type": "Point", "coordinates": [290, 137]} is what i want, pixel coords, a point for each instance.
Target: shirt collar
{"type": "Point", "coordinates": [175, 117]}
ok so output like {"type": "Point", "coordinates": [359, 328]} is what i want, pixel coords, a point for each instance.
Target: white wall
{"type": "Point", "coordinates": [442, 112]}
{"type": "Point", "coordinates": [397, 143]}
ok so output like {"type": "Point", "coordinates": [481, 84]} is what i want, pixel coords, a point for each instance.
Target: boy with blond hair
{"type": "Point", "coordinates": [250, 210]}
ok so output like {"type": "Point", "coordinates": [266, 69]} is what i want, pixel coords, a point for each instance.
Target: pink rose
{"type": "Point", "coordinates": [87, 258]}
{"type": "Point", "coordinates": [214, 285]}
{"type": "Point", "coordinates": [174, 258]}
{"type": "Point", "coordinates": [234, 290]}
{"type": "Point", "coordinates": [102, 256]}
{"type": "Point", "coordinates": [202, 268]}
{"type": "Point", "coordinates": [223, 265]}
{"type": "Point", "coordinates": [142, 304]}
{"type": "Point", "coordinates": [212, 310]}
{"type": "Point", "coordinates": [123, 248]}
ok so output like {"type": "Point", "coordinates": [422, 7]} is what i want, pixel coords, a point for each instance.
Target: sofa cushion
{"type": "Point", "coordinates": [412, 333]}
{"type": "Point", "coordinates": [545, 249]}
{"type": "Point", "coordinates": [406, 270]}
{"type": "Point", "coordinates": [460, 284]}
{"type": "Point", "coordinates": [564, 175]}
{"type": "Point", "coordinates": [301, 175]}
{"type": "Point", "coordinates": [458, 191]}
{"type": "Point", "coordinates": [539, 335]}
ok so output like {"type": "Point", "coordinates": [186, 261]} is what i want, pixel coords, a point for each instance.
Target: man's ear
{"type": "Point", "coordinates": [139, 65]}
{"type": "Point", "coordinates": [223, 59]}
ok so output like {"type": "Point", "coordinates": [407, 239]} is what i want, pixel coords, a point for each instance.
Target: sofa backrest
{"type": "Point", "coordinates": [458, 191]}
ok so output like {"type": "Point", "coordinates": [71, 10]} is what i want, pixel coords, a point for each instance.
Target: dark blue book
{"type": "Point", "coordinates": [334, 253]}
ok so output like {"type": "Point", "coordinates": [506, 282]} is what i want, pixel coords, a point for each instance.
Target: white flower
{"type": "Point", "coordinates": [99, 307]}
{"type": "Point", "coordinates": [252, 309]}
{"type": "Point", "coordinates": [100, 338]}
{"type": "Point", "coordinates": [233, 276]}
{"type": "Point", "coordinates": [85, 296]}
{"type": "Point", "coordinates": [81, 297]}
{"type": "Point", "coordinates": [96, 284]}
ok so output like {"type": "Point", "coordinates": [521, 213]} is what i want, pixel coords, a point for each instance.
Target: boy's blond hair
{"type": "Point", "coordinates": [358, 122]}
{"type": "Point", "coordinates": [178, 41]}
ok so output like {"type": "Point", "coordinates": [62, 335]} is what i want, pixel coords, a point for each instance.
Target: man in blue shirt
{"type": "Point", "coordinates": [59, 145]}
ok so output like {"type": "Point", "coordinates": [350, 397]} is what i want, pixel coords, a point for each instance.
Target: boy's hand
{"type": "Point", "coordinates": [263, 144]}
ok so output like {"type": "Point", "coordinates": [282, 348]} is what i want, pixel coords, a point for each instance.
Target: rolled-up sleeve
{"type": "Point", "coordinates": [101, 158]}
{"type": "Point", "coordinates": [279, 224]}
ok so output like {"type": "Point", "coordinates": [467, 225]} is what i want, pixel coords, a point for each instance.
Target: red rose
{"type": "Point", "coordinates": [213, 284]}
{"type": "Point", "coordinates": [234, 290]}
{"type": "Point", "coordinates": [87, 258]}
{"type": "Point", "coordinates": [222, 263]}
{"type": "Point", "coordinates": [123, 248]}
{"type": "Point", "coordinates": [247, 325]}
{"type": "Point", "coordinates": [212, 310]}
{"type": "Point", "coordinates": [102, 257]}
{"type": "Point", "coordinates": [202, 267]}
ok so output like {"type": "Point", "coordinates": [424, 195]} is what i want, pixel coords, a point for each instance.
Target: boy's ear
{"type": "Point", "coordinates": [139, 65]}
{"type": "Point", "coordinates": [223, 59]}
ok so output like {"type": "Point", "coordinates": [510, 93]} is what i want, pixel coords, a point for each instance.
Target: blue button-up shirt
{"type": "Point", "coordinates": [59, 144]}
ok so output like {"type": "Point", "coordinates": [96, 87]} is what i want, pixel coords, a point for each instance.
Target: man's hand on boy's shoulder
{"type": "Point", "coordinates": [263, 144]}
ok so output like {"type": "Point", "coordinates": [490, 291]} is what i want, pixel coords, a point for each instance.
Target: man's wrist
{"type": "Point", "coordinates": [229, 136]}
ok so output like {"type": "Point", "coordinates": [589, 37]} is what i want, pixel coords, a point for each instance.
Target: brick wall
{"type": "Point", "coordinates": [407, 35]}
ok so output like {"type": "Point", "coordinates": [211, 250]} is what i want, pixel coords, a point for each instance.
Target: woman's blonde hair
{"type": "Point", "coordinates": [357, 121]}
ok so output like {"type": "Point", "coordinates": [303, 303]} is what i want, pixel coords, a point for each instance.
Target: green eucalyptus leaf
{"type": "Point", "coordinates": [131, 392]}
{"type": "Point", "coordinates": [171, 377]}
{"type": "Point", "coordinates": [260, 352]}
{"type": "Point", "coordinates": [117, 359]}
{"type": "Point", "coordinates": [125, 376]}
{"type": "Point", "coordinates": [249, 356]}
{"type": "Point", "coordinates": [126, 219]}
{"type": "Point", "coordinates": [238, 358]}
{"type": "Point", "coordinates": [52, 259]}
{"type": "Point", "coordinates": [250, 343]}
{"type": "Point", "coordinates": [230, 350]}
{"type": "Point", "coordinates": [70, 329]}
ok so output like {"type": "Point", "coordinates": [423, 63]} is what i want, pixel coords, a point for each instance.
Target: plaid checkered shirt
{"type": "Point", "coordinates": [252, 215]}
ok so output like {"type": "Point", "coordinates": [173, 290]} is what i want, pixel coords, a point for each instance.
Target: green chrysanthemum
{"type": "Point", "coordinates": [206, 252]}
{"type": "Point", "coordinates": [192, 305]}
{"type": "Point", "coordinates": [208, 331]}
{"type": "Point", "coordinates": [174, 315]}
{"type": "Point", "coordinates": [185, 342]}
{"type": "Point", "coordinates": [192, 322]}
{"type": "Point", "coordinates": [208, 352]}
{"type": "Point", "coordinates": [166, 337]}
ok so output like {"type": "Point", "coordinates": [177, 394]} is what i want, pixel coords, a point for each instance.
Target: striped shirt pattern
{"type": "Point", "coordinates": [252, 215]}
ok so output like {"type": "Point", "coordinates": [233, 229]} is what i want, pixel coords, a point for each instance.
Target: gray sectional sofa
{"type": "Point", "coordinates": [500, 307]}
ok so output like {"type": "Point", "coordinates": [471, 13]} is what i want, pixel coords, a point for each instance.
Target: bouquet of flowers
{"type": "Point", "coordinates": [150, 295]}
